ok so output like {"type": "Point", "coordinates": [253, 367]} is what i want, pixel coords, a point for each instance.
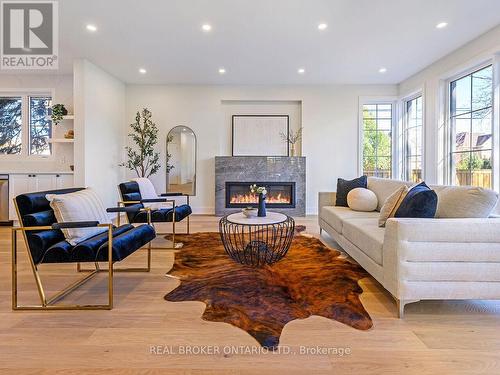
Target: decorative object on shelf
{"type": "Point", "coordinates": [70, 134]}
{"type": "Point", "coordinates": [261, 190]}
{"type": "Point", "coordinates": [249, 211]}
{"type": "Point", "coordinates": [145, 160]}
{"type": "Point", "coordinates": [72, 167]}
{"type": "Point", "coordinates": [292, 138]}
{"type": "Point", "coordinates": [58, 112]}
{"type": "Point", "coordinates": [181, 151]}
{"type": "Point", "coordinates": [311, 280]}
{"type": "Point", "coordinates": [259, 135]}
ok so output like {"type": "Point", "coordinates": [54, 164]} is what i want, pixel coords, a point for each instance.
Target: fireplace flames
{"type": "Point", "coordinates": [277, 198]}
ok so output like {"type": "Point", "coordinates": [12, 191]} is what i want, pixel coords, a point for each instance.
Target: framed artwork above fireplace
{"type": "Point", "coordinates": [260, 135]}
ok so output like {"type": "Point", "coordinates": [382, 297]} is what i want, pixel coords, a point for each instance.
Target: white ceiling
{"type": "Point", "coordinates": [266, 41]}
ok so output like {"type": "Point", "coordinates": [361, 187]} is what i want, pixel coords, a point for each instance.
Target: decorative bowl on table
{"type": "Point", "coordinates": [249, 212]}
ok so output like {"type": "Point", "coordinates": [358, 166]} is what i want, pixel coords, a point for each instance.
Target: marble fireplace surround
{"type": "Point", "coordinates": [260, 168]}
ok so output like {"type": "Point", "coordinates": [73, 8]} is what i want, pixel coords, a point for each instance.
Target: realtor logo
{"type": "Point", "coordinates": [29, 37]}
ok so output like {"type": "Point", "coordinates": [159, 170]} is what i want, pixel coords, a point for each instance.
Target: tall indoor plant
{"type": "Point", "coordinates": [143, 159]}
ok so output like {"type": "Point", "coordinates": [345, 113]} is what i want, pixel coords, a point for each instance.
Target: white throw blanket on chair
{"type": "Point", "coordinates": [148, 191]}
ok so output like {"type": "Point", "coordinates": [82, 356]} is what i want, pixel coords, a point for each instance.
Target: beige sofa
{"type": "Point", "coordinates": [419, 259]}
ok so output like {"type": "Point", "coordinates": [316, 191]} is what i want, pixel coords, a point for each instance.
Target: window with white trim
{"type": "Point", "coordinates": [377, 139]}
{"type": "Point", "coordinates": [412, 140]}
{"type": "Point", "coordinates": [25, 128]}
{"type": "Point", "coordinates": [471, 128]}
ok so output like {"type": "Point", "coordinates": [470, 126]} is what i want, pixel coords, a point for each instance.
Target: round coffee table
{"type": "Point", "coordinates": [257, 241]}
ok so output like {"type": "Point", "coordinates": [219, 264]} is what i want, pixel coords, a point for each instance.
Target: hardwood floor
{"type": "Point", "coordinates": [436, 337]}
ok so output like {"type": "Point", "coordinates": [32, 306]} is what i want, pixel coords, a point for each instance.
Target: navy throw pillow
{"type": "Point", "coordinates": [420, 201]}
{"type": "Point", "coordinates": [345, 186]}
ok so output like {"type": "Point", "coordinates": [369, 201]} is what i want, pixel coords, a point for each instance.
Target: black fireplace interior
{"type": "Point", "coordinates": [279, 194]}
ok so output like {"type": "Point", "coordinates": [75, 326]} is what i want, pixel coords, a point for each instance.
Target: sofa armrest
{"type": "Point", "coordinates": [326, 199]}
{"type": "Point", "coordinates": [405, 237]}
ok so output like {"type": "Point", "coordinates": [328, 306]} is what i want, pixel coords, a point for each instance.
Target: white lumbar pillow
{"type": "Point", "coordinates": [361, 199]}
{"type": "Point", "coordinates": [83, 205]}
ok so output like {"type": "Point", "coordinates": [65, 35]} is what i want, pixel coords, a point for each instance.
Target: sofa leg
{"type": "Point", "coordinates": [320, 231]}
{"type": "Point", "coordinates": [401, 308]}
{"type": "Point", "coordinates": [401, 303]}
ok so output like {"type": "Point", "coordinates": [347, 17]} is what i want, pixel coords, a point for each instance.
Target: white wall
{"type": "Point", "coordinates": [99, 128]}
{"type": "Point", "coordinates": [432, 81]}
{"type": "Point", "coordinates": [329, 117]}
{"type": "Point", "coordinates": [61, 87]}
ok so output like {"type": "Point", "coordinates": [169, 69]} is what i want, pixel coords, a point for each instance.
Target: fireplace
{"type": "Point", "coordinates": [279, 194]}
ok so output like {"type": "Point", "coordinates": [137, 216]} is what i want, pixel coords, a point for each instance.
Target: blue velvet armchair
{"type": "Point", "coordinates": [138, 213]}
{"type": "Point", "coordinates": [45, 243]}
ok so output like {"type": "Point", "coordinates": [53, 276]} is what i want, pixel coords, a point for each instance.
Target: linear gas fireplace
{"type": "Point", "coordinates": [285, 178]}
{"type": "Point", "coordinates": [279, 194]}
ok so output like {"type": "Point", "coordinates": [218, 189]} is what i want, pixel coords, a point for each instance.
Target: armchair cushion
{"type": "Point", "coordinates": [126, 240]}
{"type": "Point", "coordinates": [164, 215]}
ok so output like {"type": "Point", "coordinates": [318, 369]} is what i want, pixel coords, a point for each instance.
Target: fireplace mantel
{"type": "Point", "coordinates": [252, 169]}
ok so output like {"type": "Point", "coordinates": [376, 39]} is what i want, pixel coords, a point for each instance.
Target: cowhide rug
{"type": "Point", "coordinates": [310, 280]}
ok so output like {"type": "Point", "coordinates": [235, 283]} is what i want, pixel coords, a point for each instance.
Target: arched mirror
{"type": "Point", "coordinates": [181, 161]}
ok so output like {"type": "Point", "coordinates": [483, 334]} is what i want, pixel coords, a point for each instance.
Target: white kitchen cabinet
{"type": "Point", "coordinates": [32, 182]}
{"type": "Point", "coordinates": [64, 181]}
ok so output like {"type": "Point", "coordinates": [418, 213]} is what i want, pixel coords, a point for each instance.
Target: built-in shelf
{"type": "Point", "coordinates": [61, 140]}
{"type": "Point", "coordinates": [67, 117]}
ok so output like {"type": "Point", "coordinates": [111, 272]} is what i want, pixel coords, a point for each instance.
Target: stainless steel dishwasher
{"type": "Point", "coordinates": [4, 200]}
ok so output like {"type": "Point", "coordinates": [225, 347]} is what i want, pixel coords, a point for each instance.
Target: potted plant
{"type": "Point", "coordinates": [144, 160]}
{"type": "Point", "coordinates": [58, 112]}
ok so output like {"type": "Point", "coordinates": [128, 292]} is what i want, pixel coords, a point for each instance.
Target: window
{"type": "Point", "coordinates": [377, 140]}
{"type": "Point", "coordinates": [10, 125]}
{"type": "Point", "coordinates": [471, 101]}
{"type": "Point", "coordinates": [40, 126]}
{"type": "Point", "coordinates": [24, 121]}
{"type": "Point", "coordinates": [412, 140]}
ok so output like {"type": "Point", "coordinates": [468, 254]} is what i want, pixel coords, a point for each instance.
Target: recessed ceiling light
{"type": "Point", "coordinates": [322, 26]}
{"type": "Point", "coordinates": [206, 27]}
{"type": "Point", "coordinates": [301, 71]}
{"type": "Point", "coordinates": [441, 25]}
{"type": "Point", "coordinates": [382, 70]}
{"type": "Point", "coordinates": [222, 71]}
{"type": "Point", "coordinates": [142, 71]}
{"type": "Point", "coordinates": [91, 27]}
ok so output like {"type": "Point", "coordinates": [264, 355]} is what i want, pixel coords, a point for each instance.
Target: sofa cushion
{"type": "Point", "coordinates": [361, 199]}
{"type": "Point", "coordinates": [345, 186]}
{"type": "Point", "coordinates": [334, 216]}
{"type": "Point", "coordinates": [384, 187]}
{"type": "Point", "coordinates": [465, 201]}
{"type": "Point", "coordinates": [366, 235]}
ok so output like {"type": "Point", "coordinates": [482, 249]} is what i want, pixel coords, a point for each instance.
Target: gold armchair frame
{"type": "Point", "coordinates": [49, 303]}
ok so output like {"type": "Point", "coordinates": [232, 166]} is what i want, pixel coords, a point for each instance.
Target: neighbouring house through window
{"type": "Point", "coordinates": [471, 130]}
